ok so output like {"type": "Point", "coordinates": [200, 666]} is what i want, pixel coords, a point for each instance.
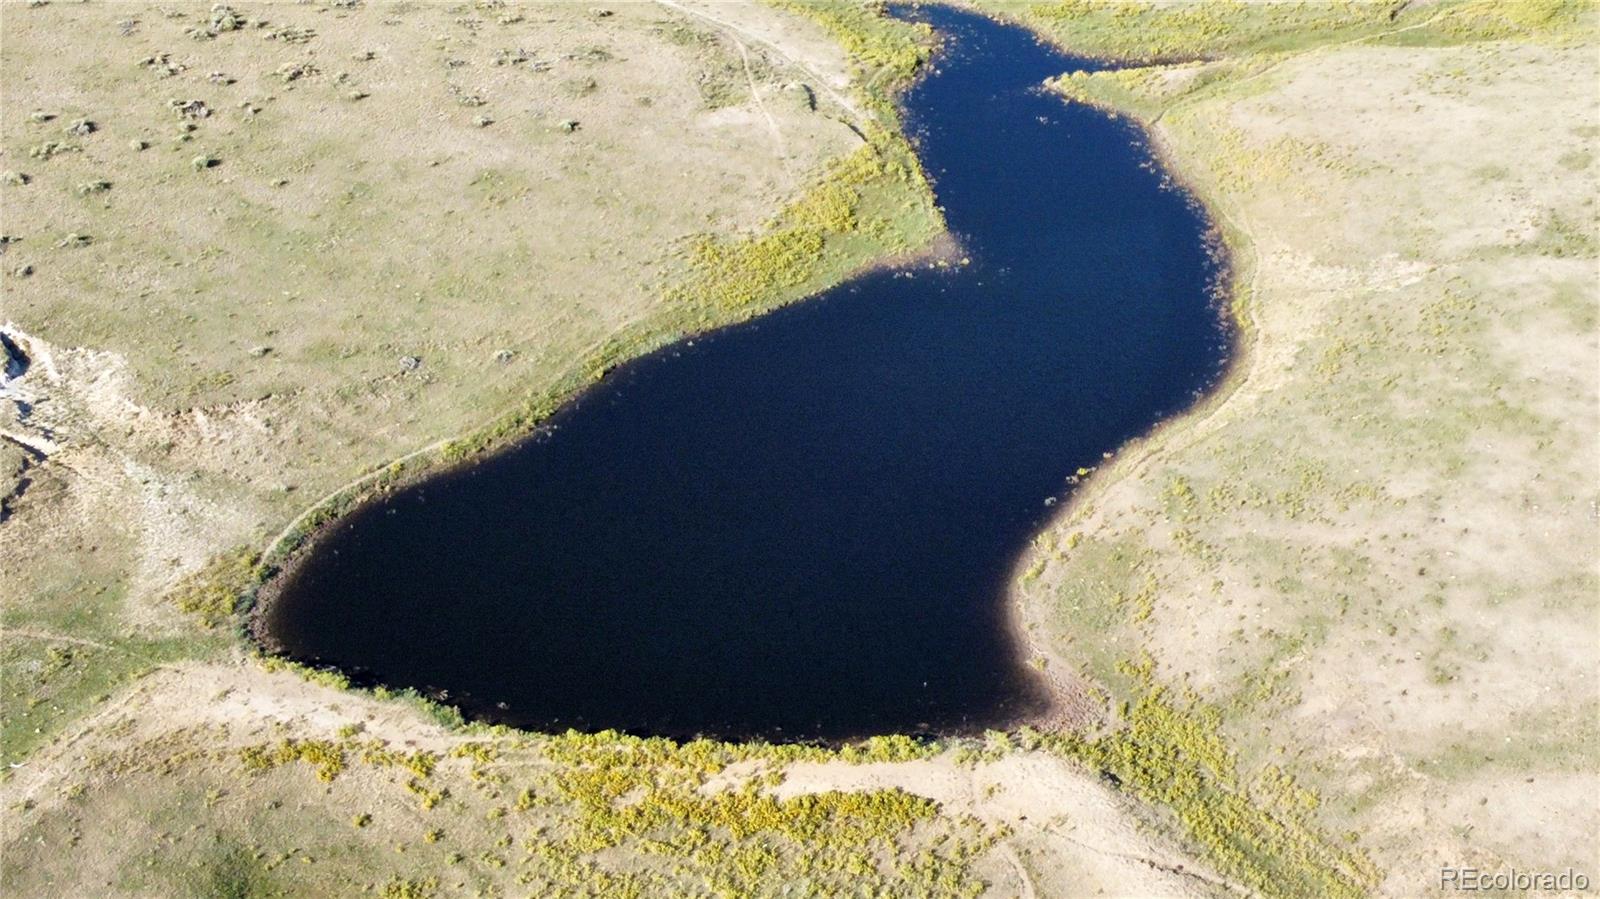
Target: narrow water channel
{"type": "Point", "coordinates": [804, 526]}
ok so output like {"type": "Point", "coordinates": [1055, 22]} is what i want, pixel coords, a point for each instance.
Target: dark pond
{"type": "Point", "coordinates": [804, 527]}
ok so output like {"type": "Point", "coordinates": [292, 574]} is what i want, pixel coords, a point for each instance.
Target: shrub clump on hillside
{"type": "Point", "coordinates": [214, 593]}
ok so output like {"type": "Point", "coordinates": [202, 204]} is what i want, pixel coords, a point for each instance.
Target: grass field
{"type": "Point", "coordinates": [1374, 555]}
{"type": "Point", "coordinates": [1330, 632]}
{"type": "Point", "coordinates": [357, 277]}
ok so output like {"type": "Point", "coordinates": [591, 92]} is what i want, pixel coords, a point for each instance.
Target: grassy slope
{"type": "Point", "coordinates": [551, 816]}
{"type": "Point", "coordinates": [492, 814]}
{"type": "Point", "coordinates": [255, 311]}
{"type": "Point", "coordinates": [1352, 560]}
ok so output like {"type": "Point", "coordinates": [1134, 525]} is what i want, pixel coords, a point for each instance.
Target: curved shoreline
{"type": "Point", "coordinates": [1128, 458]}
{"type": "Point", "coordinates": [512, 431]}
{"type": "Point", "coordinates": [1077, 705]}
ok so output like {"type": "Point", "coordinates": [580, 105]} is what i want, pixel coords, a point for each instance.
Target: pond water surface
{"type": "Point", "coordinates": [805, 526]}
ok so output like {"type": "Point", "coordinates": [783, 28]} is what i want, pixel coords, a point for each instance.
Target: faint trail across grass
{"type": "Point", "coordinates": [46, 636]}
{"type": "Point", "coordinates": [822, 83]}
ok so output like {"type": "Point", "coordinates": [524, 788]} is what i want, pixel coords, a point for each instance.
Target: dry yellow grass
{"type": "Point", "coordinates": [1375, 552]}
{"type": "Point", "coordinates": [363, 268]}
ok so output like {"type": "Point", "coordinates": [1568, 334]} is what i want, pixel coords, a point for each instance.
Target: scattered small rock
{"type": "Point", "coordinates": [138, 145]}
{"type": "Point", "coordinates": [807, 96]}
{"type": "Point", "coordinates": [483, 121]}
{"type": "Point", "coordinates": [569, 125]}
{"type": "Point", "coordinates": [220, 78]}
{"type": "Point", "coordinates": [512, 57]}
{"type": "Point", "coordinates": [75, 240]}
{"type": "Point", "coordinates": [98, 186]}
{"type": "Point", "coordinates": [364, 56]}
{"type": "Point", "coordinates": [200, 163]}
{"type": "Point", "coordinates": [600, 12]}
{"type": "Point", "coordinates": [39, 115]}
{"type": "Point", "coordinates": [81, 127]}
{"type": "Point", "coordinates": [223, 18]}
{"type": "Point", "coordinates": [410, 363]}
{"type": "Point", "coordinates": [357, 95]}
{"type": "Point", "coordinates": [291, 35]}
{"type": "Point", "coordinates": [259, 351]}
{"type": "Point", "coordinates": [162, 65]}
{"type": "Point", "coordinates": [17, 178]}
{"type": "Point", "coordinates": [189, 109]}
{"type": "Point", "coordinates": [294, 71]}
{"type": "Point", "coordinates": [504, 356]}
{"type": "Point", "coordinates": [52, 148]}
{"type": "Point", "coordinates": [23, 270]}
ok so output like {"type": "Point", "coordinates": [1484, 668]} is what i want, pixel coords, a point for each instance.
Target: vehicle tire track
{"type": "Point", "coordinates": [842, 100]}
{"type": "Point", "coordinates": [755, 94]}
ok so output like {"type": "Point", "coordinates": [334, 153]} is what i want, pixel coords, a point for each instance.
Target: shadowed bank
{"type": "Point", "coordinates": [803, 527]}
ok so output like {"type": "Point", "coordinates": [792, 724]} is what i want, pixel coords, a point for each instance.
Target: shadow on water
{"type": "Point", "coordinates": [803, 527]}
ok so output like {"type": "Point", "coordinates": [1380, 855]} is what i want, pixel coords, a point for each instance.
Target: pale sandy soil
{"type": "Point", "coordinates": [1072, 835]}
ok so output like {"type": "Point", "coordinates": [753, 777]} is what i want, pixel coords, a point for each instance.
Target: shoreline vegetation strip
{"type": "Point", "coordinates": [870, 204]}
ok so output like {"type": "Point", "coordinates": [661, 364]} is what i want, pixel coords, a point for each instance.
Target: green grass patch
{"type": "Point", "coordinates": [886, 52]}
{"type": "Point", "coordinates": [1170, 751]}
{"type": "Point", "coordinates": [630, 816]}
{"type": "Point", "coordinates": [803, 248]}
{"type": "Point", "coordinates": [1132, 29]}
{"type": "Point", "coordinates": [49, 683]}
{"type": "Point", "coordinates": [218, 591]}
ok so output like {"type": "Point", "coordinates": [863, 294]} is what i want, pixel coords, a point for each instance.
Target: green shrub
{"type": "Point", "coordinates": [214, 593]}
